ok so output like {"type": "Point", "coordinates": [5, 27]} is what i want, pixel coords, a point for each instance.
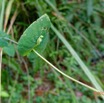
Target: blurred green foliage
{"type": "Point", "coordinates": [81, 23]}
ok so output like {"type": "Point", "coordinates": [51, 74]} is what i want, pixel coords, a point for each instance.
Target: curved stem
{"type": "Point", "coordinates": [87, 86]}
{"type": "Point", "coordinates": [64, 73]}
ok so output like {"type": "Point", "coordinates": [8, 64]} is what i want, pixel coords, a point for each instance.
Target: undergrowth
{"type": "Point", "coordinates": [25, 79]}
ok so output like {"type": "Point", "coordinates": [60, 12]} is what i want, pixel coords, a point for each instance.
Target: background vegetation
{"type": "Point", "coordinates": [29, 80]}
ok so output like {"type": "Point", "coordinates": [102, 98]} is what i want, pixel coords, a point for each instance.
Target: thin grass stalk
{"type": "Point", "coordinates": [66, 74]}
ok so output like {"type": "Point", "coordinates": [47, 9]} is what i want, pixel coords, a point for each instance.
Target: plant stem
{"type": "Point", "coordinates": [64, 73]}
{"type": "Point", "coordinates": [10, 40]}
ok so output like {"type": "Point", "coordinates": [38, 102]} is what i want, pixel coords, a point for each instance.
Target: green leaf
{"type": "Point", "coordinates": [3, 42]}
{"type": "Point", "coordinates": [3, 34]}
{"type": "Point", "coordinates": [41, 47]}
{"type": "Point", "coordinates": [35, 36]}
{"type": "Point", "coordinates": [36, 61]}
{"type": "Point", "coordinates": [9, 50]}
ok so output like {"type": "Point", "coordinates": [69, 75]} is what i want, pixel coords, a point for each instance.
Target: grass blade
{"type": "Point", "coordinates": [64, 73]}
{"type": "Point", "coordinates": [81, 63]}
{"type": "Point", "coordinates": [7, 14]}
